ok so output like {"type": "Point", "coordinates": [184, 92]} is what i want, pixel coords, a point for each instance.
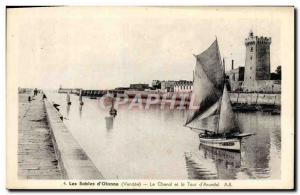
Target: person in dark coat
{"type": "Point", "coordinates": [55, 106]}
{"type": "Point", "coordinates": [35, 92]}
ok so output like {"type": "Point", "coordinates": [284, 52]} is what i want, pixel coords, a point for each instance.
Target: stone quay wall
{"type": "Point", "coordinates": [256, 99]}
{"type": "Point", "coordinates": [36, 155]}
{"type": "Point", "coordinates": [235, 97]}
{"type": "Point", "coordinates": [263, 86]}
{"type": "Point", "coordinates": [73, 161]}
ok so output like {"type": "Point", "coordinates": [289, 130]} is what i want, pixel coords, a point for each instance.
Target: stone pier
{"type": "Point", "coordinates": [46, 148]}
{"type": "Point", "coordinates": [74, 162]}
{"type": "Point", "coordinates": [36, 154]}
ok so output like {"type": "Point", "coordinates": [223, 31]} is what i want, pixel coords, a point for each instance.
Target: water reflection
{"type": "Point", "coordinates": [153, 144]}
{"type": "Point", "coordinates": [225, 164]}
{"type": "Point", "coordinates": [68, 110]}
{"type": "Point", "coordinates": [109, 122]}
{"type": "Point", "coordinates": [259, 157]}
{"type": "Point", "coordinates": [256, 150]}
{"type": "Point", "coordinates": [80, 110]}
{"type": "Point", "coordinates": [197, 170]}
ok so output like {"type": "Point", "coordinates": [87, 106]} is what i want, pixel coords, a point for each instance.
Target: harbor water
{"type": "Point", "coordinates": [153, 144]}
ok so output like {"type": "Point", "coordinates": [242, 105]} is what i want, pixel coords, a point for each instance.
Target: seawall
{"type": "Point", "coordinates": [73, 161]}
{"type": "Point", "coordinates": [36, 155]}
{"type": "Point", "coordinates": [256, 99]}
{"type": "Point", "coordinates": [236, 98]}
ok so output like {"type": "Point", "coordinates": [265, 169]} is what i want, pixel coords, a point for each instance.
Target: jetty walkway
{"type": "Point", "coordinates": [36, 155]}
{"type": "Point", "coordinates": [46, 148]}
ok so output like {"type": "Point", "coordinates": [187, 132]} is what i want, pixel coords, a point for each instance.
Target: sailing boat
{"type": "Point", "coordinates": [68, 99]}
{"type": "Point", "coordinates": [213, 119]}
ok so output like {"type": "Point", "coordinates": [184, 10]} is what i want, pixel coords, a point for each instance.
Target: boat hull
{"type": "Point", "coordinates": [232, 144]}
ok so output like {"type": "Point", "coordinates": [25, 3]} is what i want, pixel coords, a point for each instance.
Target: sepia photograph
{"type": "Point", "coordinates": [150, 97]}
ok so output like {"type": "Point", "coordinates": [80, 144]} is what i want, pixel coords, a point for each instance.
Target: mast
{"type": "Point", "coordinates": [68, 97]}
{"type": "Point", "coordinates": [214, 112]}
{"type": "Point", "coordinates": [112, 103]}
{"type": "Point", "coordinates": [80, 95]}
{"type": "Point", "coordinates": [193, 76]}
{"type": "Point", "coordinates": [217, 130]}
{"type": "Point", "coordinates": [227, 120]}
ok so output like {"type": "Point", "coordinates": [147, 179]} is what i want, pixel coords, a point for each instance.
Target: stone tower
{"type": "Point", "coordinates": [257, 64]}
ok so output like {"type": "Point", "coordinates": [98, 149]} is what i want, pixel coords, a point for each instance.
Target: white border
{"type": "Point", "coordinates": [4, 3]}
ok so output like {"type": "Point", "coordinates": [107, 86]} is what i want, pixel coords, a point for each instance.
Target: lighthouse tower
{"type": "Point", "coordinates": [257, 63]}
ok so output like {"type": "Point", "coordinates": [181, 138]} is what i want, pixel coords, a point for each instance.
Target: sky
{"type": "Point", "coordinates": [105, 47]}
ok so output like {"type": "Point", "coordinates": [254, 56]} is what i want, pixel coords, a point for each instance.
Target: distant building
{"type": "Point", "coordinates": [167, 86]}
{"type": "Point", "coordinates": [139, 86]}
{"type": "Point", "coordinates": [183, 86]}
{"type": "Point", "coordinates": [24, 90]}
{"type": "Point", "coordinates": [65, 90]}
{"type": "Point", "coordinates": [256, 75]}
{"type": "Point", "coordinates": [156, 84]}
{"type": "Point", "coordinates": [257, 65]}
{"type": "Point", "coordinates": [121, 88]}
{"type": "Point", "coordinates": [236, 78]}
{"type": "Point", "coordinates": [257, 59]}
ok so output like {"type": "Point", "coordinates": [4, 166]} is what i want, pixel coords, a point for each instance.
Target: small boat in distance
{"type": "Point", "coordinates": [276, 110]}
{"type": "Point", "coordinates": [213, 120]}
{"type": "Point", "coordinates": [244, 108]}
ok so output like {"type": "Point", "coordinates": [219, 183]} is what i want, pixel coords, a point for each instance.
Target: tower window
{"type": "Point", "coordinates": [250, 68]}
{"type": "Point", "coordinates": [250, 57]}
{"type": "Point", "coordinates": [251, 49]}
{"type": "Point", "coordinates": [250, 77]}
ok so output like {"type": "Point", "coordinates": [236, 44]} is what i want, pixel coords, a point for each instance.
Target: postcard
{"type": "Point", "coordinates": [140, 98]}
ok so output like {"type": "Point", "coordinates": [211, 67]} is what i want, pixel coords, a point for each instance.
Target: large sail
{"type": "Point", "coordinates": [227, 122]}
{"type": "Point", "coordinates": [208, 121]}
{"type": "Point", "coordinates": [207, 89]}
